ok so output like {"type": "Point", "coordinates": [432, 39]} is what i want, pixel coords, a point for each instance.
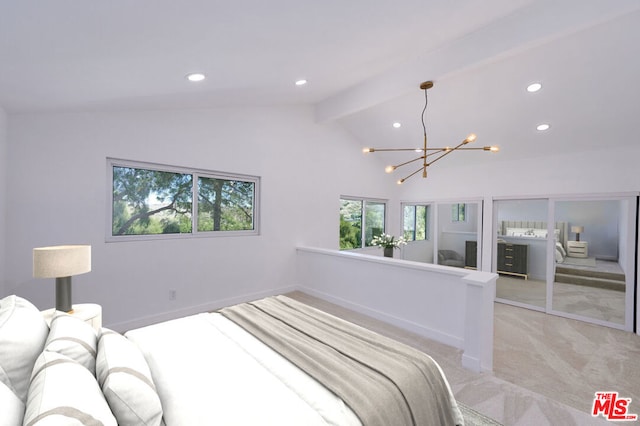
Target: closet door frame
{"type": "Point", "coordinates": [627, 237]}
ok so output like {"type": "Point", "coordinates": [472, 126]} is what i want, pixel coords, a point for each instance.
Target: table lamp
{"type": "Point", "coordinates": [577, 230]}
{"type": "Point", "coordinates": [61, 262]}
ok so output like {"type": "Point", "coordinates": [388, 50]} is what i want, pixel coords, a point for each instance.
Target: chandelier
{"type": "Point", "coordinates": [427, 154]}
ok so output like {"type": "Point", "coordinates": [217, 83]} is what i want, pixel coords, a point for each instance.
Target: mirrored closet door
{"type": "Point", "coordinates": [416, 229]}
{"type": "Point", "coordinates": [520, 251]}
{"type": "Point", "coordinates": [573, 257]}
{"type": "Point", "coordinates": [594, 267]}
{"type": "Point", "coordinates": [445, 233]}
{"type": "Point", "coordinates": [458, 230]}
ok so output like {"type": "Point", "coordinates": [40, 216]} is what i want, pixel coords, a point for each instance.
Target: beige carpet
{"type": "Point", "coordinates": [580, 261]}
{"type": "Point", "coordinates": [519, 392]}
{"type": "Point", "coordinates": [591, 302]}
{"type": "Point", "coordinates": [565, 359]}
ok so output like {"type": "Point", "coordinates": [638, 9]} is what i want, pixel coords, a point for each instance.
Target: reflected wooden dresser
{"type": "Point", "coordinates": [471, 255]}
{"type": "Point", "coordinates": [512, 259]}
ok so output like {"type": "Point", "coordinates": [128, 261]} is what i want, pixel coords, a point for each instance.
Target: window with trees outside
{"type": "Point", "coordinates": [415, 222]}
{"type": "Point", "coordinates": [152, 201]}
{"type": "Point", "coordinates": [357, 214]}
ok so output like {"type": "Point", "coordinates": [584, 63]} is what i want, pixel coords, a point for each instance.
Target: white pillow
{"type": "Point", "coordinates": [561, 249]}
{"type": "Point", "coordinates": [23, 332]}
{"type": "Point", "coordinates": [540, 233]}
{"type": "Point", "coordinates": [517, 232]}
{"type": "Point", "coordinates": [63, 392]}
{"type": "Point", "coordinates": [12, 407]}
{"type": "Point", "coordinates": [74, 338]}
{"type": "Point", "coordinates": [126, 381]}
{"type": "Point", "coordinates": [559, 257]}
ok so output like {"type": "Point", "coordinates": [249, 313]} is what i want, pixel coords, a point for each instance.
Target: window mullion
{"type": "Point", "coordinates": [363, 223]}
{"type": "Point", "coordinates": [194, 203]}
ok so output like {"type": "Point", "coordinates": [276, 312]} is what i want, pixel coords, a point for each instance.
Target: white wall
{"type": "Point", "coordinates": [554, 173]}
{"type": "Point", "coordinates": [3, 197]}
{"type": "Point", "coordinates": [601, 222]}
{"type": "Point", "coordinates": [58, 195]}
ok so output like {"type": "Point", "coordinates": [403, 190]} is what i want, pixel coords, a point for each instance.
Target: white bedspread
{"type": "Point", "coordinates": [210, 371]}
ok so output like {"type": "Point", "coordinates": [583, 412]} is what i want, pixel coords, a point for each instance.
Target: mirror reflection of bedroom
{"type": "Point", "coordinates": [574, 265]}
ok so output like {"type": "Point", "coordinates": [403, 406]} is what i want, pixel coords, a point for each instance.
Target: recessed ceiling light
{"type": "Point", "coordinates": [301, 82]}
{"type": "Point", "coordinates": [534, 87]}
{"type": "Point", "coordinates": [397, 125]}
{"type": "Point", "coordinates": [542, 127]}
{"type": "Point", "coordinates": [196, 76]}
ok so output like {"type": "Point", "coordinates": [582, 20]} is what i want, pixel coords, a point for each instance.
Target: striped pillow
{"type": "Point", "coordinates": [12, 407]}
{"type": "Point", "coordinates": [23, 332]}
{"type": "Point", "coordinates": [64, 392]}
{"type": "Point", "coordinates": [74, 338]}
{"type": "Point", "coordinates": [126, 381]}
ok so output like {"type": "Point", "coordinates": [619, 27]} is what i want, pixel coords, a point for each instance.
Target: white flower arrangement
{"type": "Point", "coordinates": [388, 241]}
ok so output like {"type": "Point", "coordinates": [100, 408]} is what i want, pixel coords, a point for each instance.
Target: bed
{"type": "Point", "coordinates": [536, 229]}
{"type": "Point", "coordinates": [274, 361]}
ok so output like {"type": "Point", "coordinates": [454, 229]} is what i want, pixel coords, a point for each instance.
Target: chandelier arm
{"type": "Point", "coordinates": [372, 150]}
{"type": "Point", "coordinates": [393, 149]}
{"type": "Point", "coordinates": [447, 153]}
{"type": "Point", "coordinates": [419, 170]}
{"type": "Point", "coordinates": [482, 148]}
{"type": "Point", "coordinates": [408, 162]}
{"type": "Point", "coordinates": [437, 151]}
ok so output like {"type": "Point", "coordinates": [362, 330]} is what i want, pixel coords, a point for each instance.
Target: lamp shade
{"type": "Point", "coordinates": [577, 229]}
{"type": "Point", "coordinates": [61, 261]}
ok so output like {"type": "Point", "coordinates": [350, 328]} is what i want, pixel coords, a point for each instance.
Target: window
{"type": "Point", "coordinates": [151, 201]}
{"type": "Point", "coordinates": [458, 213]}
{"type": "Point", "coordinates": [415, 222]}
{"type": "Point", "coordinates": [357, 214]}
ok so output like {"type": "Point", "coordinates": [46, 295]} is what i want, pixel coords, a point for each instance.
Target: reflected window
{"type": "Point", "coordinates": [415, 222]}
{"type": "Point", "coordinates": [458, 212]}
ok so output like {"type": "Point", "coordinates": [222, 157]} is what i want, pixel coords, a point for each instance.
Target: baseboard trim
{"type": "Point", "coordinates": [423, 331]}
{"type": "Point", "coordinates": [213, 305]}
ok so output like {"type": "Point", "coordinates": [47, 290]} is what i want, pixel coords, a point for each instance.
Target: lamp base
{"type": "Point", "coordinates": [63, 294]}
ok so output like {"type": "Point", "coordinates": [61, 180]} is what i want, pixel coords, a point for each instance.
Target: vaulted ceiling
{"type": "Point", "coordinates": [363, 60]}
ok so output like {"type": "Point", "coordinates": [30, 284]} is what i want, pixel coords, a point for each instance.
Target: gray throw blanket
{"type": "Point", "coordinates": [383, 381]}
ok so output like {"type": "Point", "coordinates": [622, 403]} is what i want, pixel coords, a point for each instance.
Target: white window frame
{"type": "Point", "coordinates": [196, 173]}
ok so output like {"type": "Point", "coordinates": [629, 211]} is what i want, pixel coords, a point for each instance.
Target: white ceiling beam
{"type": "Point", "coordinates": [538, 23]}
